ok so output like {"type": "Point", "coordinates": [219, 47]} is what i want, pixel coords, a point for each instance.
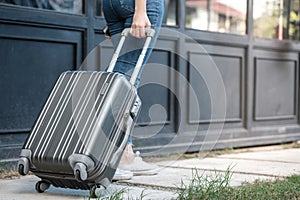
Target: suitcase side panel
{"type": "Point", "coordinates": [71, 120]}
{"type": "Point", "coordinates": [81, 109]}
{"type": "Point", "coordinates": [55, 115]}
{"type": "Point", "coordinates": [63, 121]}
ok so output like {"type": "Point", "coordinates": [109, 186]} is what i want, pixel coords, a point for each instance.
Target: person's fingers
{"type": "Point", "coordinates": [107, 37]}
{"type": "Point", "coordinates": [142, 32]}
{"type": "Point", "coordinates": [137, 32]}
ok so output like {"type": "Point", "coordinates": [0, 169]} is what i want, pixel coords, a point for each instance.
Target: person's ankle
{"type": "Point", "coordinates": [128, 155]}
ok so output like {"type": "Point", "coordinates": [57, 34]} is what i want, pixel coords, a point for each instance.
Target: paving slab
{"type": "Point", "coordinates": [265, 163]}
{"type": "Point", "coordinates": [24, 189]}
{"type": "Point", "coordinates": [262, 168]}
{"type": "Point", "coordinates": [284, 155]}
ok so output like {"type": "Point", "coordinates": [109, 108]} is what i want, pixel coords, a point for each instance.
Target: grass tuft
{"type": "Point", "coordinates": [204, 187]}
{"type": "Point", "coordinates": [121, 194]}
{"type": "Point", "coordinates": [287, 188]}
{"type": "Point", "coordinates": [8, 173]}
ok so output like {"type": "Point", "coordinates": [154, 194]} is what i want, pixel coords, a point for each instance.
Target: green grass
{"type": "Point", "coordinates": [288, 188]}
{"type": "Point", "coordinates": [121, 194]}
{"type": "Point", "coordinates": [206, 187]}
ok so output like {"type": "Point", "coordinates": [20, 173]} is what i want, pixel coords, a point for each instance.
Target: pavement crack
{"type": "Point", "coordinates": [263, 160]}
{"type": "Point", "coordinates": [224, 171]}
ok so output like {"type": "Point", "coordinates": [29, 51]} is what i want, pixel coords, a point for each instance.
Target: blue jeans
{"type": "Point", "coordinates": [119, 15]}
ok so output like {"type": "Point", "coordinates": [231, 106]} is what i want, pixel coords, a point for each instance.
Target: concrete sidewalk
{"type": "Point", "coordinates": [249, 166]}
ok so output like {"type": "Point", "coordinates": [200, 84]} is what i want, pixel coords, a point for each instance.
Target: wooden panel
{"type": "Point", "coordinates": [30, 65]}
{"type": "Point", "coordinates": [275, 89]}
{"type": "Point", "coordinates": [99, 58]}
{"type": "Point", "coordinates": [154, 90]}
{"type": "Point", "coordinates": [230, 69]}
{"type": "Point", "coordinates": [158, 115]}
{"type": "Point", "coordinates": [10, 145]}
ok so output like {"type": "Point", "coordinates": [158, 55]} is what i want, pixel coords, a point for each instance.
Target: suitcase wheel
{"type": "Point", "coordinates": [23, 166]}
{"type": "Point", "coordinates": [21, 170]}
{"type": "Point", "coordinates": [42, 186]}
{"type": "Point", "coordinates": [93, 192]}
{"type": "Point", "coordinates": [80, 172]}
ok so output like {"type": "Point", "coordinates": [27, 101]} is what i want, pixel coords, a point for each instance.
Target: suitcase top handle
{"type": "Point", "coordinates": [149, 34]}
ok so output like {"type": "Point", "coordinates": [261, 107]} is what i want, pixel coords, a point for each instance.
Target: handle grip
{"type": "Point", "coordinates": [148, 31]}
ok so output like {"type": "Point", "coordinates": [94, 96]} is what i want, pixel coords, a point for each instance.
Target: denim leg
{"type": "Point", "coordinates": [119, 15]}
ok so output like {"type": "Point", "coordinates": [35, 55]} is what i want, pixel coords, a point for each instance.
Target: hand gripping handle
{"type": "Point", "coordinates": [149, 34]}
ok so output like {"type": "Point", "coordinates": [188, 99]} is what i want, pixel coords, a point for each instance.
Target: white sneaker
{"type": "Point", "coordinates": [139, 167]}
{"type": "Point", "coordinates": [121, 174]}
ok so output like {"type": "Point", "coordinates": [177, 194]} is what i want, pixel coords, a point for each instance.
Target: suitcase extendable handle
{"type": "Point", "coordinates": [149, 34]}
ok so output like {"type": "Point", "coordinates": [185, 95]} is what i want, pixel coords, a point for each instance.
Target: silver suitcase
{"type": "Point", "coordinates": [82, 130]}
